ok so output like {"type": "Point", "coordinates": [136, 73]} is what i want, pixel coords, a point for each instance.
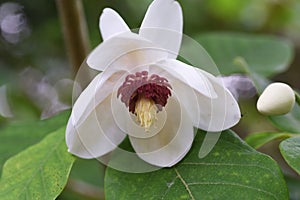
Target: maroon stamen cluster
{"type": "Point", "coordinates": [140, 85]}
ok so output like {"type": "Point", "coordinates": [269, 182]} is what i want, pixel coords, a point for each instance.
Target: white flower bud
{"type": "Point", "coordinates": [276, 99]}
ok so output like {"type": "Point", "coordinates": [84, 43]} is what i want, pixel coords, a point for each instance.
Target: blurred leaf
{"type": "Point", "coordinates": [16, 136]}
{"type": "Point", "coordinates": [265, 55]}
{"type": "Point", "coordinates": [232, 170]}
{"type": "Point", "coordinates": [39, 172]}
{"type": "Point", "coordinates": [290, 150]}
{"type": "Point", "coordinates": [257, 140]}
{"type": "Point", "coordinates": [289, 122]}
{"type": "Point", "coordinates": [226, 10]}
{"type": "Point", "coordinates": [85, 181]}
{"type": "Point", "coordinates": [94, 175]}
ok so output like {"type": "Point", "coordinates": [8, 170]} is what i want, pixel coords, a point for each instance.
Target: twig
{"type": "Point", "coordinates": [75, 31]}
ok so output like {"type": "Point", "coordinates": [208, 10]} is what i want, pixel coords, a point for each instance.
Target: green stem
{"type": "Point", "coordinates": [242, 64]}
{"type": "Point", "coordinates": [74, 30]}
{"type": "Point", "coordinates": [297, 95]}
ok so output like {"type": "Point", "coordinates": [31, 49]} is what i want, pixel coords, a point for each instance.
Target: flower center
{"type": "Point", "coordinates": [145, 111]}
{"type": "Point", "coordinates": [145, 96]}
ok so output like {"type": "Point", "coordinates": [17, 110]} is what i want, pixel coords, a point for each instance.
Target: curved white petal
{"type": "Point", "coordinates": [189, 100]}
{"type": "Point", "coordinates": [170, 145]}
{"type": "Point", "coordinates": [100, 87]}
{"type": "Point", "coordinates": [97, 135]}
{"type": "Point", "coordinates": [210, 140]}
{"type": "Point", "coordinates": [217, 114]}
{"type": "Point", "coordinates": [111, 24]}
{"type": "Point", "coordinates": [163, 24]}
{"type": "Point", "coordinates": [125, 51]}
{"type": "Point", "coordinates": [188, 75]}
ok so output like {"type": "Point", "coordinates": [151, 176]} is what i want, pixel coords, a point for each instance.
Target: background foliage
{"type": "Point", "coordinates": [36, 54]}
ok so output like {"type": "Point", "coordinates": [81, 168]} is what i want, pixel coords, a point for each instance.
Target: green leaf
{"type": "Point", "coordinates": [290, 150]}
{"type": "Point", "coordinates": [257, 140]}
{"type": "Point", "coordinates": [289, 122]}
{"type": "Point", "coordinates": [232, 170]}
{"type": "Point", "coordinates": [16, 136]}
{"type": "Point", "coordinates": [265, 55]}
{"type": "Point", "coordinates": [39, 172]}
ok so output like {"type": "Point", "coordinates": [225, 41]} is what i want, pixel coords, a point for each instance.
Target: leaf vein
{"type": "Point", "coordinates": [229, 164]}
{"type": "Point", "coordinates": [184, 183]}
{"type": "Point", "coordinates": [233, 184]}
{"type": "Point", "coordinates": [169, 187]}
{"type": "Point", "coordinates": [43, 181]}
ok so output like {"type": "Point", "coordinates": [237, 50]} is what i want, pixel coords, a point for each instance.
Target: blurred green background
{"type": "Point", "coordinates": [31, 35]}
{"type": "Point", "coordinates": [33, 56]}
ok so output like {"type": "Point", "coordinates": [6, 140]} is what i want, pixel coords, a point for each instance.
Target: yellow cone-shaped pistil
{"type": "Point", "coordinates": [145, 111]}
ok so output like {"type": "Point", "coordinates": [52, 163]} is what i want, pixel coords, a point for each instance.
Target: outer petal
{"type": "Point", "coordinates": [97, 135]}
{"type": "Point", "coordinates": [86, 134]}
{"type": "Point", "coordinates": [210, 105]}
{"type": "Point", "coordinates": [163, 25]}
{"type": "Point", "coordinates": [100, 87]}
{"type": "Point", "coordinates": [174, 140]}
{"type": "Point", "coordinates": [111, 24]}
{"type": "Point", "coordinates": [188, 75]}
{"type": "Point", "coordinates": [125, 51]}
{"type": "Point", "coordinates": [219, 113]}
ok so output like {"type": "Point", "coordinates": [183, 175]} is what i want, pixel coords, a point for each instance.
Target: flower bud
{"type": "Point", "coordinates": [276, 99]}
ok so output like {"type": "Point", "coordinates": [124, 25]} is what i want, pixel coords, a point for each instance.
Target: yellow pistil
{"type": "Point", "coordinates": [145, 111]}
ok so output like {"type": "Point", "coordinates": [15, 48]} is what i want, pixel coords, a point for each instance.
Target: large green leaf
{"type": "Point", "coordinates": [265, 55]}
{"type": "Point", "coordinates": [290, 150]}
{"type": "Point", "coordinates": [39, 172]}
{"type": "Point", "coordinates": [16, 136]}
{"type": "Point", "coordinates": [257, 140]}
{"type": "Point", "coordinates": [232, 170]}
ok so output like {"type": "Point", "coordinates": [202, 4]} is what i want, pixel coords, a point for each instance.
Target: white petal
{"type": "Point", "coordinates": [189, 100]}
{"type": "Point", "coordinates": [97, 135]}
{"type": "Point", "coordinates": [125, 51]}
{"type": "Point", "coordinates": [163, 25]}
{"type": "Point", "coordinates": [5, 110]}
{"type": "Point", "coordinates": [219, 113]}
{"type": "Point", "coordinates": [170, 145]}
{"type": "Point", "coordinates": [100, 87]}
{"type": "Point", "coordinates": [210, 140]}
{"type": "Point", "coordinates": [111, 24]}
{"type": "Point", "coordinates": [209, 104]}
{"type": "Point", "coordinates": [188, 75]}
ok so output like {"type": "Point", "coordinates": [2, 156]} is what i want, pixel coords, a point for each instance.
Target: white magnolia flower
{"type": "Point", "coordinates": [276, 99]}
{"type": "Point", "coordinates": [143, 92]}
